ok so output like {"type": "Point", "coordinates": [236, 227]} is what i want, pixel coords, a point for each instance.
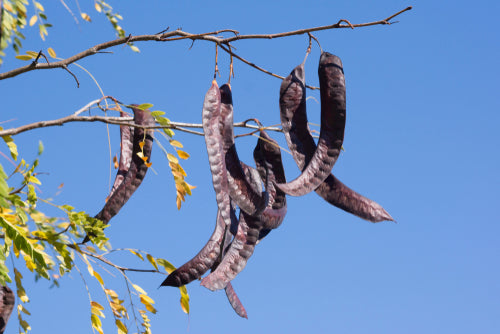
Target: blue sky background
{"type": "Point", "coordinates": [421, 139]}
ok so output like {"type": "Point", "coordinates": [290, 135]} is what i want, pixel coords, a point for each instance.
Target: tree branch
{"type": "Point", "coordinates": [179, 35]}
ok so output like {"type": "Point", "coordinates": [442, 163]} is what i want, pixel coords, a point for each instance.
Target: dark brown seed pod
{"type": "Point", "coordinates": [126, 147]}
{"type": "Point", "coordinates": [7, 301]}
{"type": "Point", "coordinates": [239, 252]}
{"type": "Point", "coordinates": [240, 191]}
{"type": "Point", "coordinates": [213, 139]}
{"type": "Point", "coordinates": [203, 261]}
{"type": "Point", "coordinates": [333, 112]}
{"type": "Point", "coordinates": [136, 170]}
{"type": "Point", "coordinates": [301, 143]}
{"type": "Point", "coordinates": [267, 155]}
{"type": "Point", "coordinates": [235, 301]}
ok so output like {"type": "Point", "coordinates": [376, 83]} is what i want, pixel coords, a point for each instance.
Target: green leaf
{"type": "Point", "coordinates": [144, 106]}
{"type": "Point", "coordinates": [157, 113]}
{"type": "Point", "coordinates": [11, 145]}
{"type": "Point", "coordinates": [40, 147]}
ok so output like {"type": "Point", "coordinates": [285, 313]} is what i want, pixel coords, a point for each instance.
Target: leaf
{"type": "Point", "coordinates": [96, 305]}
{"type": "Point", "coordinates": [98, 277]}
{"type": "Point", "coordinates": [86, 17]}
{"type": "Point", "coordinates": [34, 54]}
{"type": "Point", "coordinates": [144, 106]}
{"type": "Point", "coordinates": [96, 322]}
{"type": "Point", "coordinates": [151, 259]}
{"type": "Point", "coordinates": [145, 299]}
{"type": "Point", "coordinates": [33, 20]}
{"type": "Point", "coordinates": [176, 143]}
{"type": "Point", "coordinates": [172, 158]}
{"type": "Point", "coordinates": [135, 48]}
{"type": "Point", "coordinates": [40, 147]}
{"type": "Point", "coordinates": [182, 154]}
{"type": "Point", "coordinates": [24, 57]}
{"type": "Point", "coordinates": [139, 289]}
{"type": "Point", "coordinates": [157, 113]}
{"type": "Point", "coordinates": [98, 7]}
{"type": "Point", "coordinates": [139, 255]}
{"type": "Point", "coordinates": [121, 327]}
{"type": "Point", "coordinates": [169, 267]}
{"type": "Point", "coordinates": [51, 52]}
{"type": "Point", "coordinates": [185, 305]}
{"type": "Point", "coordinates": [39, 6]}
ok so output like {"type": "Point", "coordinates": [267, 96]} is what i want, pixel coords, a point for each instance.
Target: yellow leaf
{"type": "Point", "coordinates": [141, 144]}
{"type": "Point", "coordinates": [96, 305]}
{"type": "Point", "coordinates": [151, 259]}
{"type": "Point", "coordinates": [90, 269]}
{"type": "Point", "coordinates": [139, 289]}
{"type": "Point", "coordinates": [39, 6]}
{"type": "Point", "coordinates": [148, 164]}
{"type": "Point", "coordinates": [185, 305]}
{"type": "Point", "coordinates": [121, 327]}
{"type": "Point", "coordinates": [144, 159]}
{"type": "Point", "coordinates": [33, 54]}
{"type": "Point", "coordinates": [136, 254]}
{"type": "Point", "coordinates": [111, 293]}
{"type": "Point", "coordinates": [175, 143]}
{"type": "Point", "coordinates": [98, 7]}
{"type": "Point", "coordinates": [96, 322]}
{"type": "Point", "coordinates": [86, 17]}
{"type": "Point", "coordinates": [179, 203]}
{"type": "Point", "coordinates": [98, 277]}
{"type": "Point", "coordinates": [135, 48]}
{"type": "Point", "coordinates": [146, 299]}
{"type": "Point", "coordinates": [51, 52]}
{"type": "Point", "coordinates": [8, 7]}
{"type": "Point", "coordinates": [150, 308]}
{"type": "Point", "coordinates": [172, 158]}
{"type": "Point", "coordinates": [33, 20]}
{"type": "Point", "coordinates": [182, 154]}
{"type": "Point", "coordinates": [24, 57]}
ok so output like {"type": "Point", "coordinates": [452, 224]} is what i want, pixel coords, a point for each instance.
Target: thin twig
{"type": "Point", "coordinates": [179, 33]}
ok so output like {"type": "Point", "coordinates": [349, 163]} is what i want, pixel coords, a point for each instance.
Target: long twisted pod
{"type": "Point", "coordinates": [240, 191]}
{"type": "Point", "coordinates": [126, 147]}
{"type": "Point", "coordinates": [142, 143]}
{"type": "Point", "coordinates": [301, 143]}
{"type": "Point", "coordinates": [333, 112]}
{"type": "Point", "coordinates": [213, 139]}
{"type": "Point", "coordinates": [7, 301]}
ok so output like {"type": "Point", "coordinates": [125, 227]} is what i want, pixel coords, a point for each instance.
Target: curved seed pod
{"type": "Point", "coordinates": [7, 301]}
{"type": "Point", "coordinates": [126, 147]}
{"type": "Point", "coordinates": [267, 155]}
{"type": "Point", "coordinates": [240, 191]}
{"type": "Point", "coordinates": [204, 260]}
{"type": "Point", "coordinates": [240, 250]}
{"type": "Point", "coordinates": [137, 169]}
{"type": "Point", "coordinates": [333, 112]}
{"type": "Point", "coordinates": [301, 143]}
{"type": "Point", "coordinates": [213, 139]}
{"type": "Point", "coordinates": [235, 301]}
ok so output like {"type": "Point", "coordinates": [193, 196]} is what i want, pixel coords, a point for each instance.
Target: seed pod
{"type": "Point", "coordinates": [126, 147]}
{"type": "Point", "coordinates": [235, 301]}
{"type": "Point", "coordinates": [240, 250]}
{"type": "Point", "coordinates": [267, 156]}
{"type": "Point", "coordinates": [213, 139]}
{"type": "Point", "coordinates": [301, 143]}
{"type": "Point", "coordinates": [136, 170]}
{"type": "Point", "coordinates": [240, 191]}
{"type": "Point", "coordinates": [204, 260]}
{"type": "Point", "coordinates": [333, 108]}
{"type": "Point", "coordinates": [7, 301]}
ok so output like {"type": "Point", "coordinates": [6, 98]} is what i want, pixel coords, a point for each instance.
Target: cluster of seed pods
{"type": "Point", "coordinates": [239, 185]}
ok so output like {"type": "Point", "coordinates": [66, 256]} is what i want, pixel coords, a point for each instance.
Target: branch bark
{"type": "Point", "coordinates": [180, 35]}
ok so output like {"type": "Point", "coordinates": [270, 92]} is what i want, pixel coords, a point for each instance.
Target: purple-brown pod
{"type": "Point", "coordinates": [213, 139]}
{"type": "Point", "coordinates": [136, 170]}
{"type": "Point", "coordinates": [333, 115]}
{"type": "Point", "coordinates": [235, 301]}
{"type": "Point", "coordinates": [126, 147]}
{"type": "Point", "coordinates": [301, 143]}
{"type": "Point", "coordinates": [203, 261]}
{"type": "Point", "coordinates": [239, 252]}
{"type": "Point", "coordinates": [267, 156]}
{"type": "Point", "coordinates": [240, 191]}
{"type": "Point", "coordinates": [7, 301]}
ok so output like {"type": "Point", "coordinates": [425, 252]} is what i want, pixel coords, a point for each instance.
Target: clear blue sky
{"type": "Point", "coordinates": [421, 139]}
